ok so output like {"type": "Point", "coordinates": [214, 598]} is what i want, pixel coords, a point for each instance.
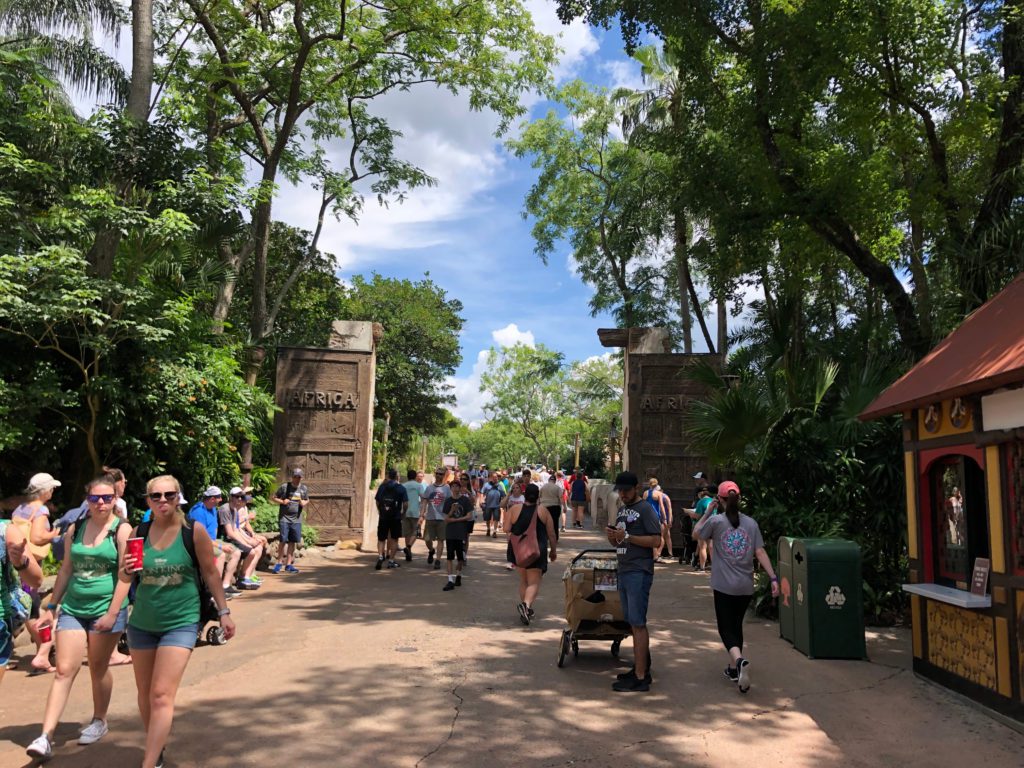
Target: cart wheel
{"type": "Point", "coordinates": [563, 647]}
{"type": "Point", "coordinates": [615, 647]}
{"type": "Point", "coordinates": [575, 647]}
{"type": "Point", "coordinates": [215, 636]}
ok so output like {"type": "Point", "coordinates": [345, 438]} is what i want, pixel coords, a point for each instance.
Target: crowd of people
{"type": "Point", "coordinates": [151, 587]}
{"type": "Point", "coordinates": [156, 584]}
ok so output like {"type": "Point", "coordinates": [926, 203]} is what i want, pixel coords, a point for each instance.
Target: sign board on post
{"type": "Point", "coordinates": [979, 581]}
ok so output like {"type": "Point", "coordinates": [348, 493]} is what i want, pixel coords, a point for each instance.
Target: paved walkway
{"type": "Point", "coordinates": [345, 666]}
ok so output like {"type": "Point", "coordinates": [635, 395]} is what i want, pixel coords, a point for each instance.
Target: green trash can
{"type": "Point", "coordinates": [787, 615]}
{"type": "Point", "coordinates": [828, 604]}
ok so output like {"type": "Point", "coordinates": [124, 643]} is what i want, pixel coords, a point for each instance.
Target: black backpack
{"type": "Point", "coordinates": [391, 501]}
{"type": "Point", "coordinates": [207, 605]}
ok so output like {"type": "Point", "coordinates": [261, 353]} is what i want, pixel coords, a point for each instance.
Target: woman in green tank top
{"type": "Point", "coordinates": [93, 613]}
{"type": "Point", "coordinates": [165, 620]}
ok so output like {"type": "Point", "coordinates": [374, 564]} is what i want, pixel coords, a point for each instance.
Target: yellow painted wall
{"type": "Point", "coordinates": [911, 480]}
{"type": "Point", "coordinates": [994, 477]}
{"type": "Point", "coordinates": [945, 427]}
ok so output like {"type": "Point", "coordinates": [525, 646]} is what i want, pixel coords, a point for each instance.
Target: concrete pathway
{"type": "Point", "coordinates": [342, 665]}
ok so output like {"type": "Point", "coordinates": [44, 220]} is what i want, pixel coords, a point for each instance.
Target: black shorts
{"type": "Point", "coordinates": [389, 529]}
{"type": "Point", "coordinates": [455, 548]}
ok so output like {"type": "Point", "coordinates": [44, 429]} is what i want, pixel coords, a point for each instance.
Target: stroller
{"type": "Point", "coordinates": [592, 607]}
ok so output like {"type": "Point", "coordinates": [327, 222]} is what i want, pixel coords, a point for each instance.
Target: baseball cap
{"type": "Point", "coordinates": [728, 486]}
{"type": "Point", "coordinates": [239, 490]}
{"type": "Point", "coordinates": [42, 481]}
{"type": "Point", "coordinates": [626, 480]}
{"type": "Point", "coordinates": [297, 472]}
{"type": "Point", "coordinates": [213, 490]}
{"type": "Point", "coordinates": [700, 476]}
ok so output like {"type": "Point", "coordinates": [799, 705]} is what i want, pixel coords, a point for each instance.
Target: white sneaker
{"type": "Point", "coordinates": [93, 732]}
{"type": "Point", "coordinates": [41, 749]}
{"type": "Point", "coordinates": [744, 675]}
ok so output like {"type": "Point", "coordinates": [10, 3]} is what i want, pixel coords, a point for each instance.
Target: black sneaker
{"type": "Point", "coordinates": [743, 675]}
{"type": "Point", "coordinates": [630, 674]}
{"type": "Point", "coordinates": [430, 557]}
{"type": "Point", "coordinates": [437, 565]}
{"type": "Point", "coordinates": [160, 760]}
{"type": "Point", "coordinates": [633, 684]}
{"type": "Point", "coordinates": [458, 580]}
{"type": "Point", "coordinates": [524, 613]}
{"type": "Point", "coordinates": [408, 554]}
{"type": "Point", "coordinates": [232, 590]}
{"type": "Point", "coordinates": [449, 586]}
{"type": "Point", "coordinates": [731, 674]}
{"type": "Point", "coordinates": [380, 564]}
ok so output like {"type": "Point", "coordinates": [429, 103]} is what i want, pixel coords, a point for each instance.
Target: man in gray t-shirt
{"type": "Point", "coordinates": [434, 496]}
{"type": "Point", "coordinates": [636, 532]}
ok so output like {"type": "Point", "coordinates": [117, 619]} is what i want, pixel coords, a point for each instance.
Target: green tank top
{"type": "Point", "coordinates": [93, 574]}
{"type": "Point", "coordinates": [168, 593]}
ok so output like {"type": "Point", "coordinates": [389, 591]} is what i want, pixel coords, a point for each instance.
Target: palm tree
{"type": "Point", "coordinates": [60, 36]}
{"type": "Point", "coordinates": [658, 110]}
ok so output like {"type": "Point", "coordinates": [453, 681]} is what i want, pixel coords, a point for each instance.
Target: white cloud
{"type": "Point", "coordinates": [469, 400]}
{"type": "Point", "coordinates": [510, 335]}
{"type": "Point", "coordinates": [624, 73]}
{"type": "Point", "coordinates": [576, 40]}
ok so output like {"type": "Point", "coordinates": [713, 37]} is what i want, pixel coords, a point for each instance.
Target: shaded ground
{"type": "Point", "coordinates": [343, 665]}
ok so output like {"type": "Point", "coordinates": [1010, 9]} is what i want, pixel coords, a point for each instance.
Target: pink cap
{"type": "Point", "coordinates": [728, 486]}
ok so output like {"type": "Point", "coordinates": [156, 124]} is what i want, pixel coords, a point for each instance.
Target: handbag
{"type": "Point", "coordinates": [525, 546]}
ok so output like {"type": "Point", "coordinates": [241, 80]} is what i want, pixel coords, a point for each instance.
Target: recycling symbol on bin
{"type": "Point", "coordinates": [835, 598]}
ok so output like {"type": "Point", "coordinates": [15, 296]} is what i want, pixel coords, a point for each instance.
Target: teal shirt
{"type": "Point", "coordinates": [702, 506]}
{"type": "Point", "coordinates": [414, 490]}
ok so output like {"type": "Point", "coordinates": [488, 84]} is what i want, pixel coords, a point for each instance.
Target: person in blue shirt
{"type": "Point", "coordinates": [204, 513]}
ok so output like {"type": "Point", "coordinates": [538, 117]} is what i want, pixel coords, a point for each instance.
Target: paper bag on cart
{"type": "Point", "coordinates": [591, 594]}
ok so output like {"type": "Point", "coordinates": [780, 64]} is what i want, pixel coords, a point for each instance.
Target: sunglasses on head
{"type": "Point", "coordinates": [165, 496]}
{"type": "Point", "coordinates": [237, 495]}
{"type": "Point", "coordinates": [95, 498]}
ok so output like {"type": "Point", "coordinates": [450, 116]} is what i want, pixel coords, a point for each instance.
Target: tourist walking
{"type": "Point", "coordinates": [458, 513]}
{"type": "Point", "coordinates": [33, 519]}
{"type": "Point", "coordinates": [392, 502]}
{"type": "Point", "coordinates": [550, 498]}
{"type": "Point", "coordinates": [579, 497]}
{"type": "Point", "coordinates": [736, 540]}
{"type": "Point", "coordinates": [434, 497]}
{"type": "Point", "coordinates": [411, 520]}
{"type": "Point", "coordinates": [706, 504]}
{"type": "Point", "coordinates": [520, 518]}
{"type": "Point", "coordinates": [16, 564]}
{"type": "Point", "coordinates": [637, 531]}
{"type": "Point", "coordinates": [493, 492]}
{"type": "Point", "coordinates": [93, 613]}
{"type": "Point", "coordinates": [292, 498]}
{"type": "Point", "coordinates": [164, 623]}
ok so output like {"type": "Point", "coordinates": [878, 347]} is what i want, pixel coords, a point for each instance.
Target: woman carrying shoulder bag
{"type": "Point", "coordinates": [93, 614]}
{"type": "Point", "coordinates": [165, 620]}
{"type": "Point", "coordinates": [520, 518]}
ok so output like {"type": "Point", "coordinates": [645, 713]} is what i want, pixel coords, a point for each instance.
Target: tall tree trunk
{"type": "Point", "coordinates": [141, 87]}
{"type": "Point", "coordinates": [723, 326]}
{"type": "Point", "coordinates": [682, 247]}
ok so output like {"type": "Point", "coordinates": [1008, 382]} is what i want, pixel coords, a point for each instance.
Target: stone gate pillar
{"type": "Point", "coordinates": [325, 425]}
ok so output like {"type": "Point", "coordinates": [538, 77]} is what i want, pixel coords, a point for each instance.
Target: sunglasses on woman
{"type": "Point", "coordinates": [165, 496]}
{"type": "Point", "coordinates": [95, 498]}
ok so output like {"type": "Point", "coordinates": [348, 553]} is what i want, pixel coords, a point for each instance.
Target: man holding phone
{"type": "Point", "coordinates": [637, 531]}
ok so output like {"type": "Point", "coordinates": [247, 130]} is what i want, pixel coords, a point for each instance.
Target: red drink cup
{"type": "Point", "coordinates": [45, 633]}
{"type": "Point", "coordinates": [135, 553]}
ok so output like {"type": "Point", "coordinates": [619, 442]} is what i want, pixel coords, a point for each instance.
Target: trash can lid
{"type": "Point", "coordinates": [827, 550]}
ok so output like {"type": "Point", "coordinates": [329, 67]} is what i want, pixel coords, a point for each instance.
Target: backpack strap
{"type": "Point", "coordinates": [188, 539]}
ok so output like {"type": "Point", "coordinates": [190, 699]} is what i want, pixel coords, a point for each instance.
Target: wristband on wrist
{"type": "Point", "coordinates": [775, 578]}
{"type": "Point", "coordinates": [51, 606]}
{"type": "Point", "coordinates": [23, 566]}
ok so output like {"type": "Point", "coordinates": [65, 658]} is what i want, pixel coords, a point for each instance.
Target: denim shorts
{"type": "Point", "coordinates": [6, 644]}
{"type": "Point", "coordinates": [634, 592]}
{"type": "Point", "coordinates": [67, 621]}
{"type": "Point", "coordinates": [290, 532]}
{"type": "Point", "coordinates": [179, 637]}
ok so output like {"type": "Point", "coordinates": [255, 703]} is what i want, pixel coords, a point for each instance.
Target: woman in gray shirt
{"type": "Point", "coordinates": [736, 539]}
